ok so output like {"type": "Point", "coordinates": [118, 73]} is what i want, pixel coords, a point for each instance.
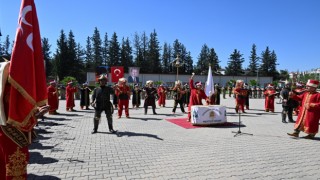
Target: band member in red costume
{"type": "Point", "coordinates": [162, 93]}
{"type": "Point", "coordinates": [269, 95]}
{"type": "Point", "coordinates": [53, 97]}
{"type": "Point", "coordinates": [14, 151]}
{"type": "Point", "coordinates": [240, 95]}
{"type": "Point", "coordinates": [309, 116]}
{"type": "Point", "coordinates": [197, 94]}
{"type": "Point", "coordinates": [123, 92]}
{"type": "Point", "coordinates": [70, 90]}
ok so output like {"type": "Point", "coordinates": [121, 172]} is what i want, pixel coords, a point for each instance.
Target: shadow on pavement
{"type": "Point", "coordinates": [131, 134]}
{"type": "Point", "coordinates": [37, 158]}
{"type": "Point", "coordinates": [33, 176]}
{"type": "Point", "coordinates": [146, 119]}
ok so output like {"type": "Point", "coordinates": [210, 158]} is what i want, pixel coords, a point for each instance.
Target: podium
{"type": "Point", "coordinates": [208, 115]}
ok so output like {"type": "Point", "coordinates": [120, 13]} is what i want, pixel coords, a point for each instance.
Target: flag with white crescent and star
{"type": "Point", "coordinates": [117, 72]}
{"type": "Point", "coordinates": [26, 74]}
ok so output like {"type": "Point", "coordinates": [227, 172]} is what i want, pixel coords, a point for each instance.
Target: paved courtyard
{"type": "Point", "coordinates": [149, 147]}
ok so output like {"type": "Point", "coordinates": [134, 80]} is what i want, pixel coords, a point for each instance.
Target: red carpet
{"type": "Point", "coordinates": [182, 122]}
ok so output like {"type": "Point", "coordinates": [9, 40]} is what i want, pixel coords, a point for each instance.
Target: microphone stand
{"type": "Point", "coordinates": [239, 131]}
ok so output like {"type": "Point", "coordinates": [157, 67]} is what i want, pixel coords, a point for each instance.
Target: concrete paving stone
{"type": "Point", "coordinates": [202, 153]}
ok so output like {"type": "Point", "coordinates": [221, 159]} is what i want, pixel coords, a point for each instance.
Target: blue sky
{"type": "Point", "coordinates": [289, 27]}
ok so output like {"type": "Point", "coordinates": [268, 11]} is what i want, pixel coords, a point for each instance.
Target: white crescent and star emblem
{"type": "Point", "coordinates": [117, 72]}
{"type": "Point", "coordinates": [23, 20]}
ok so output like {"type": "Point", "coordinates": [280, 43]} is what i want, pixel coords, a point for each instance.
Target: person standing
{"type": "Point", "coordinates": [197, 94]}
{"type": "Point", "coordinates": [240, 95]}
{"type": "Point", "coordinates": [230, 90]}
{"type": "Point", "coordinates": [136, 96]}
{"type": "Point", "coordinates": [217, 92]}
{"type": "Point", "coordinates": [123, 93]}
{"type": "Point", "coordinates": [70, 90]}
{"type": "Point", "coordinates": [224, 91]}
{"type": "Point", "coordinates": [100, 100]}
{"type": "Point", "coordinates": [150, 97]}
{"type": "Point", "coordinates": [53, 98]}
{"type": "Point", "coordinates": [162, 94]}
{"type": "Point", "coordinates": [178, 94]}
{"type": "Point", "coordinates": [269, 95]}
{"type": "Point", "coordinates": [287, 104]}
{"type": "Point", "coordinates": [309, 116]}
{"type": "Point", "coordinates": [84, 98]}
{"type": "Point", "coordinates": [186, 96]}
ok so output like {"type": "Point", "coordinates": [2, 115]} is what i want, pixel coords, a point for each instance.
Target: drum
{"type": "Point", "coordinates": [208, 115]}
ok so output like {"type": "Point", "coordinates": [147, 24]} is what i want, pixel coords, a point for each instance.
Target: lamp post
{"type": "Point", "coordinates": [177, 64]}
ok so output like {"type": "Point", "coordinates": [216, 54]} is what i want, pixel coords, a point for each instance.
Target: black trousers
{"type": "Point", "coordinates": [97, 117]}
{"type": "Point", "coordinates": [176, 102]}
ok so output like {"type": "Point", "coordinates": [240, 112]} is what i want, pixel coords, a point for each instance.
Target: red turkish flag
{"type": "Point", "coordinates": [117, 72]}
{"type": "Point", "coordinates": [26, 75]}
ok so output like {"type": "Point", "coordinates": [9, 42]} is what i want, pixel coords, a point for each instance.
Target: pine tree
{"type": "Point", "coordinates": [126, 54]}
{"type": "Point", "coordinates": [72, 61]}
{"type": "Point", "coordinates": [267, 62]}
{"type": "Point", "coordinates": [60, 64]}
{"type": "Point", "coordinates": [97, 49]}
{"type": "Point", "coordinates": [203, 61]}
{"type": "Point", "coordinates": [214, 61]}
{"type": "Point", "coordinates": [80, 58]}
{"type": "Point", "coordinates": [114, 51]}
{"type": "Point", "coordinates": [89, 62]}
{"type": "Point", "coordinates": [138, 60]}
{"type": "Point", "coordinates": [234, 67]}
{"type": "Point", "coordinates": [46, 56]}
{"type": "Point", "coordinates": [253, 64]}
{"type": "Point", "coordinates": [154, 53]}
{"type": "Point", "coordinates": [105, 50]}
{"type": "Point", "coordinates": [166, 56]}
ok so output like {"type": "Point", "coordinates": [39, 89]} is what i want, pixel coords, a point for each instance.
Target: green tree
{"type": "Point", "coordinates": [80, 59]}
{"type": "Point", "coordinates": [46, 56]}
{"type": "Point", "coordinates": [253, 61]}
{"type": "Point", "coordinates": [166, 56]}
{"type": "Point", "coordinates": [234, 67]}
{"type": "Point", "coordinates": [214, 60]}
{"type": "Point", "coordinates": [97, 48]}
{"type": "Point", "coordinates": [89, 59]}
{"type": "Point", "coordinates": [126, 58]}
{"type": "Point", "coordinates": [114, 51]}
{"type": "Point", "coordinates": [71, 60]}
{"type": "Point", "coordinates": [105, 50]}
{"type": "Point", "coordinates": [60, 63]}
{"type": "Point", "coordinates": [153, 55]}
{"type": "Point", "coordinates": [203, 61]}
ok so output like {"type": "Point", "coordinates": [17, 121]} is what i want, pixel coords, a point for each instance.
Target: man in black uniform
{"type": "Point", "coordinates": [150, 97]}
{"type": "Point", "coordinates": [288, 104]}
{"type": "Point", "coordinates": [101, 102]}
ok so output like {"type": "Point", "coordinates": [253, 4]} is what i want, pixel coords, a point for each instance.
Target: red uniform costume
{"type": "Point", "coordinates": [195, 98]}
{"type": "Point", "coordinates": [70, 90]}
{"type": "Point", "coordinates": [269, 95]}
{"type": "Point", "coordinates": [299, 90]}
{"type": "Point", "coordinates": [162, 93]}
{"type": "Point", "coordinates": [308, 118]}
{"type": "Point", "coordinates": [240, 95]}
{"type": "Point", "coordinates": [14, 153]}
{"type": "Point", "coordinates": [53, 98]}
{"type": "Point", "coordinates": [123, 93]}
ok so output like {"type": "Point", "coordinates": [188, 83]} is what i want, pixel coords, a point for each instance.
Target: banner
{"type": "Point", "coordinates": [26, 74]}
{"type": "Point", "coordinates": [209, 87]}
{"type": "Point", "coordinates": [133, 75]}
{"type": "Point", "coordinates": [117, 72]}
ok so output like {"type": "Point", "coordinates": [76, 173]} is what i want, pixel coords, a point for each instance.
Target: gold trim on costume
{"type": "Point", "coordinates": [17, 166]}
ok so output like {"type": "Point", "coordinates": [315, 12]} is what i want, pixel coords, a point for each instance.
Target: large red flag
{"type": "Point", "coordinates": [117, 72]}
{"type": "Point", "coordinates": [26, 75]}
